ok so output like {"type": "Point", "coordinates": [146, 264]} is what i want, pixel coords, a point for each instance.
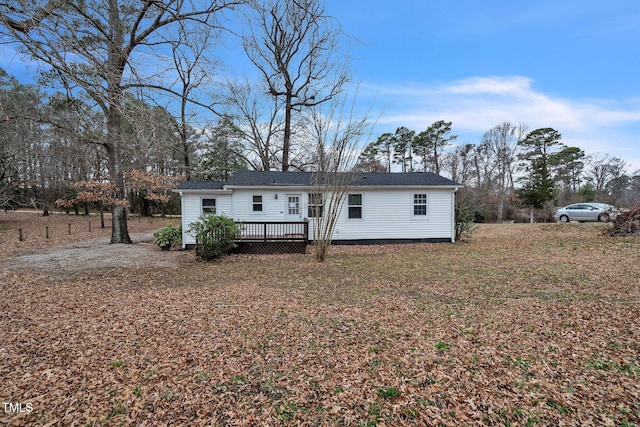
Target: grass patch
{"type": "Point", "coordinates": [287, 411]}
{"type": "Point", "coordinates": [388, 392]}
{"type": "Point", "coordinates": [442, 346]}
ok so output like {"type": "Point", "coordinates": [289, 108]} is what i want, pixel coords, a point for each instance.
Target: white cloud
{"type": "Point", "coordinates": [477, 104]}
{"type": "Point", "coordinates": [518, 86]}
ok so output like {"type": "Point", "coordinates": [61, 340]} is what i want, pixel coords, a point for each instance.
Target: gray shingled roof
{"type": "Point", "coordinates": [279, 179]}
{"type": "Point", "coordinates": [201, 185]}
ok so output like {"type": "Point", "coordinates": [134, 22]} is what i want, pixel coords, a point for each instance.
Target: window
{"type": "Point", "coordinates": [293, 203]}
{"type": "Point", "coordinates": [257, 204]}
{"type": "Point", "coordinates": [209, 206]}
{"type": "Point", "coordinates": [315, 205]}
{"type": "Point", "coordinates": [420, 204]}
{"type": "Point", "coordinates": [355, 205]}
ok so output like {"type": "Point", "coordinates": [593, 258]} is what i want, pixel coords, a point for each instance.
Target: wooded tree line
{"type": "Point", "coordinates": [130, 87]}
{"type": "Point", "coordinates": [41, 161]}
{"type": "Point", "coordinates": [136, 85]}
{"type": "Point", "coordinates": [508, 170]}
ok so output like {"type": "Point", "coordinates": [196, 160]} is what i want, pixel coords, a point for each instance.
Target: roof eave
{"type": "Point", "coordinates": [401, 186]}
{"type": "Point", "coordinates": [367, 186]}
{"type": "Point", "coordinates": [202, 190]}
{"type": "Point", "coordinates": [271, 186]}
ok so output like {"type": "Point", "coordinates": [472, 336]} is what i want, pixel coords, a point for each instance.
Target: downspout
{"type": "Point", "coordinates": [453, 210]}
{"type": "Point", "coordinates": [184, 228]}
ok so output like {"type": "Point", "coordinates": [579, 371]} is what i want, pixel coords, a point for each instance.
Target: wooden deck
{"type": "Point", "coordinates": [273, 237]}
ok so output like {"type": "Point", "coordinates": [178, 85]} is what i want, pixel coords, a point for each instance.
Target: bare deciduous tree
{"type": "Point", "coordinates": [193, 69]}
{"type": "Point", "coordinates": [17, 104]}
{"type": "Point", "coordinates": [502, 143]}
{"type": "Point", "coordinates": [294, 46]}
{"type": "Point", "coordinates": [336, 132]}
{"type": "Point", "coordinates": [601, 169]}
{"type": "Point", "coordinates": [258, 121]}
{"type": "Point", "coordinates": [100, 48]}
{"type": "Point", "coordinates": [459, 164]}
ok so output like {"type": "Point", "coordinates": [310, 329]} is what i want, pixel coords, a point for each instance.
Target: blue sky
{"type": "Point", "coordinates": [573, 65]}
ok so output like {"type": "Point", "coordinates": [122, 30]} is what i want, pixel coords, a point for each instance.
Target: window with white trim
{"type": "Point", "coordinates": [355, 206]}
{"type": "Point", "coordinates": [420, 204]}
{"type": "Point", "coordinates": [315, 205]}
{"type": "Point", "coordinates": [209, 206]}
{"type": "Point", "coordinates": [256, 203]}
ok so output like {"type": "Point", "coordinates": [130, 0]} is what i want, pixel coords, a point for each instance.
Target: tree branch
{"type": "Point", "coordinates": [29, 24]}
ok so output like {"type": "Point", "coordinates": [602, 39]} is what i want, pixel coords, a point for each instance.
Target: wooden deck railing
{"type": "Point", "coordinates": [285, 231]}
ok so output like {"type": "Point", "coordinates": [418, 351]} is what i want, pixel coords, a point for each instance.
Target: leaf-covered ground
{"type": "Point", "coordinates": [523, 325]}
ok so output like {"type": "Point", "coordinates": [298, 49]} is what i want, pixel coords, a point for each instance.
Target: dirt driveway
{"type": "Point", "coordinates": [96, 254]}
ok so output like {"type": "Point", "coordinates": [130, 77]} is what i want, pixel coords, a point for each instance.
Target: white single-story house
{"type": "Point", "coordinates": [378, 207]}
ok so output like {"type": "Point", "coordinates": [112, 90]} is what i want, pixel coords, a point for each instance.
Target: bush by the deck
{"type": "Point", "coordinates": [215, 235]}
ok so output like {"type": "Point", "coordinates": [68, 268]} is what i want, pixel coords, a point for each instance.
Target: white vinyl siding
{"type": "Point", "coordinates": [273, 208]}
{"type": "Point", "coordinates": [192, 209]}
{"type": "Point", "coordinates": [387, 213]}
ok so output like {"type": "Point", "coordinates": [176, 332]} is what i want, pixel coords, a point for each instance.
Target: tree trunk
{"type": "Point", "coordinates": [187, 163]}
{"type": "Point", "coordinates": [116, 61]}
{"type": "Point", "coordinates": [183, 131]}
{"type": "Point", "coordinates": [320, 249]}
{"type": "Point", "coordinates": [531, 215]}
{"type": "Point", "coordinates": [145, 207]}
{"type": "Point", "coordinates": [119, 229]}
{"type": "Point", "coordinates": [286, 143]}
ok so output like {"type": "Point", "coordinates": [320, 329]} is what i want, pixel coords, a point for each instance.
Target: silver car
{"type": "Point", "coordinates": [586, 212]}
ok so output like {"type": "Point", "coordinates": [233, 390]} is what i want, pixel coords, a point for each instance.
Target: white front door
{"type": "Point", "coordinates": [294, 210]}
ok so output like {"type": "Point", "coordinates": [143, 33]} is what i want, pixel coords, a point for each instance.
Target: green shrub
{"type": "Point", "coordinates": [465, 226]}
{"type": "Point", "coordinates": [167, 237]}
{"type": "Point", "coordinates": [215, 235]}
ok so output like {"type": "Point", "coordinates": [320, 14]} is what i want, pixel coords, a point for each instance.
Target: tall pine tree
{"type": "Point", "coordinates": [539, 150]}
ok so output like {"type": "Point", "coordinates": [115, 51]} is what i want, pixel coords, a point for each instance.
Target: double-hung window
{"type": "Point", "coordinates": [355, 206]}
{"type": "Point", "coordinates": [420, 204]}
{"type": "Point", "coordinates": [315, 205]}
{"type": "Point", "coordinates": [209, 206]}
{"type": "Point", "coordinates": [256, 204]}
